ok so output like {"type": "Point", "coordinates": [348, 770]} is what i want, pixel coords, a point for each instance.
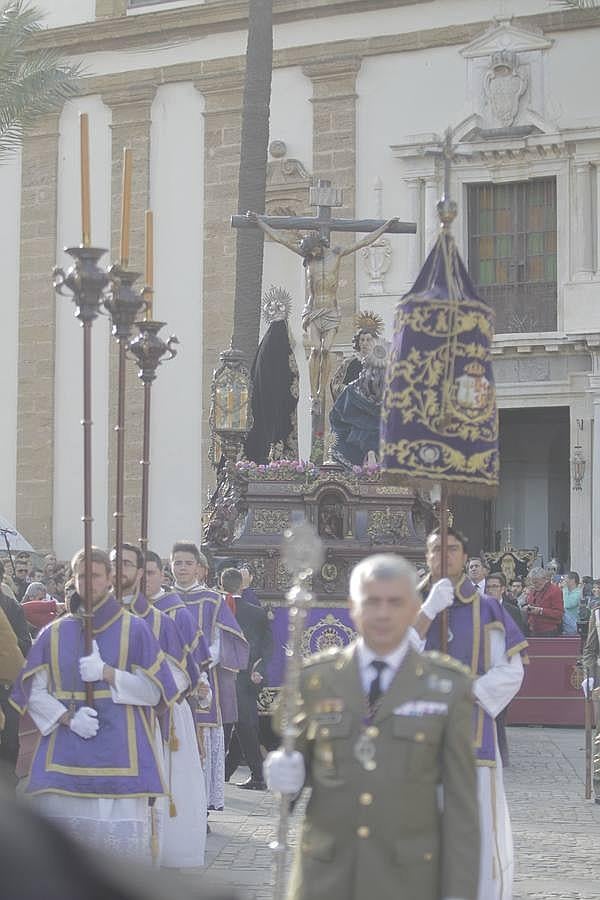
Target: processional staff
{"type": "Point", "coordinates": [302, 555]}
{"type": "Point", "coordinates": [589, 717]}
{"type": "Point", "coordinates": [86, 282]}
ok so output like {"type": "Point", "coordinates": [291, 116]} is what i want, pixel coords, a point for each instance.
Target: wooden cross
{"type": "Point", "coordinates": [324, 198]}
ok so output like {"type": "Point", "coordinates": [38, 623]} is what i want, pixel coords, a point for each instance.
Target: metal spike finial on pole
{"type": "Point", "coordinates": [447, 209]}
{"type": "Point", "coordinates": [302, 554]}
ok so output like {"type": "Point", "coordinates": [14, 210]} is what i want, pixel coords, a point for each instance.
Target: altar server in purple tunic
{"type": "Point", "coordinates": [484, 638]}
{"type": "Point", "coordinates": [229, 653]}
{"type": "Point", "coordinates": [184, 835]}
{"type": "Point", "coordinates": [96, 768]}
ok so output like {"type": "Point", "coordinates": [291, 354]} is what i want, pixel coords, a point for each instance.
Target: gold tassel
{"type": "Point", "coordinates": [173, 740]}
{"type": "Point", "coordinates": [172, 808]}
{"type": "Point", "coordinates": [201, 744]}
{"type": "Point", "coordinates": [154, 836]}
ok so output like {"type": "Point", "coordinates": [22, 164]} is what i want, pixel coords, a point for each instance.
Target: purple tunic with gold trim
{"type": "Point", "coordinates": [120, 760]}
{"type": "Point", "coordinates": [471, 619]}
{"type": "Point", "coordinates": [215, 620]}
{"type": "Point", "coordinates": [196, 648]}
{"type": "Point", "coordinates": [163, 628]}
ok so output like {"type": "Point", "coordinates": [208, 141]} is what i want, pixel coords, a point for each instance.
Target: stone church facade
{"type": "Point", "coordinates": [363, 91]}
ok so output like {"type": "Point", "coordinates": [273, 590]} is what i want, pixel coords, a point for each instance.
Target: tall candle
{"type": "Point", "coordinates": [149, 268]}
{"type": "Point", "coordinates": [243, 415]}
{"type": "Point", "coordinates": [84, 134]}
{"type": "Point", "coordinates": [126, 207]}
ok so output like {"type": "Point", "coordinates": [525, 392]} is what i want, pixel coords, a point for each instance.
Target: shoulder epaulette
{"type": "Point", "coordinates": [444, 659]}
{"type": "Point", "coordinates": [324, 656]}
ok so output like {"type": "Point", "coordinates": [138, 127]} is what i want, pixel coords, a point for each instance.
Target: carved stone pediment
{"type": "Point", "coordinates": [503, 35]}
{"type": "Point", "coordinates": [288, 184]}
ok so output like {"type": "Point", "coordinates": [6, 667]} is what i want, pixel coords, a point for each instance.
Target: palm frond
{"type": "Point", "coordinates": [32, 83]}
{"type": "Point", "coordinates": [578, 4]}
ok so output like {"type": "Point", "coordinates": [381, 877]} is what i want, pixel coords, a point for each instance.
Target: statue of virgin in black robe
{"type": "Point", "coordinates": [274, 434]}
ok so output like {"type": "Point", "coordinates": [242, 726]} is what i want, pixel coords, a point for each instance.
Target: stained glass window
{"type": "Point", "coordinates": [512, 252]}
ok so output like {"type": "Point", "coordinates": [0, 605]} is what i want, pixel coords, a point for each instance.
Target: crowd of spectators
{"type": "Point", "coordinates": [543, 604]}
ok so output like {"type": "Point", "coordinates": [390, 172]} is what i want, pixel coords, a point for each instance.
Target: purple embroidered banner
{"type": "Point", "coordinates": [439, 421]}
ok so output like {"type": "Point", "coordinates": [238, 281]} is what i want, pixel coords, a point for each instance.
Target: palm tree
{"type": "Point", "coordinates": [253, 176]}
{"type": "Point", "coordinates": [32, 82]}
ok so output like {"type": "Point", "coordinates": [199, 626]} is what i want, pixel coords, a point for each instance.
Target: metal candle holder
{"type": "Point", "coordinates": [86, 281]}
{"type": "Point", "coordinates": [123, 304]}
{"type": "Point", "coordinates": [150, 351]}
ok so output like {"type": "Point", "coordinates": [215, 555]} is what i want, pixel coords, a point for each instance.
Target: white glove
{"type": "Point", "coordinates": [284, 772]}
{"type": "Point", "coordinates": [441, 596]}
{"type": "Point", "coordinates": [204, 702]}
{"type": "Point", "coordinates": [91, 668]}
{"type": "Point", "coordinates": [587, 685]}
{"type": "Point", "coordinates": [85, 723]}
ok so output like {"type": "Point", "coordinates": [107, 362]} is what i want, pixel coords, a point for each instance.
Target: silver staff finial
{"type": "Point", "coordinates": [302, 551]}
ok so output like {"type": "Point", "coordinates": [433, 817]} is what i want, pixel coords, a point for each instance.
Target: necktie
{"type": "Point", "coordinates": [375, 690]}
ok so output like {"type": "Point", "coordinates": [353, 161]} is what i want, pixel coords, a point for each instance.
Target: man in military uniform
{"type": "Point", "coordinates": [381, 730]}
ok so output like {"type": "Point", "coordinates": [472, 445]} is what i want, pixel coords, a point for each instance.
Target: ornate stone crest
{"type": "Point", "coordinates": [377, 258]}
{"type": "Point", "coordinates": [504, 85]}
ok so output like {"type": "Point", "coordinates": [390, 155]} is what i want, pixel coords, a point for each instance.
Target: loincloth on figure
{"type": "Point", "coordinates": [324, 318]}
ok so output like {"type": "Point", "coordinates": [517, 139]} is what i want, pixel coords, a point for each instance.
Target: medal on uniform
{"type": "Point", "coordinates": [365, 749]}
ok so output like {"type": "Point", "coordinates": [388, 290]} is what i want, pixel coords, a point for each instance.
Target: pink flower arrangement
{"type": "Point", "coordinates": [372, 469]}
{"type": "Point", "coordinates": [279, 468]}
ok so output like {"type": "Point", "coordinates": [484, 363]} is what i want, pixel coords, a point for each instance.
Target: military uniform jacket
{"type": "Point", "coordinates": [379, 834]}
{"type": "Point", "coordinates": [591, 651]}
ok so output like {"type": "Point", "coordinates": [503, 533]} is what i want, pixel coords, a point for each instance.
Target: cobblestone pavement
{"type": "Point", "coordinates": [556, 832]}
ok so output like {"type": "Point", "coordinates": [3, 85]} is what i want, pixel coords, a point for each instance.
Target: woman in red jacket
{"type": "Point", "coordinates": [545, 606]}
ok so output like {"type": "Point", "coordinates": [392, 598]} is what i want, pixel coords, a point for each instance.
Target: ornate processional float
{"type": "Point", "coordinates": [263, 488]}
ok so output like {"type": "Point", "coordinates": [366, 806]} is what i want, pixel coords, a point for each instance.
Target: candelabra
{"type": "Point", "coordinates": [86, 281]}
{"type": "Point", "coordinates": [150, 351]}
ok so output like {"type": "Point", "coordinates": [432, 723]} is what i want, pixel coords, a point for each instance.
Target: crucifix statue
{"type": "Point", "coordinates": [321, 315]}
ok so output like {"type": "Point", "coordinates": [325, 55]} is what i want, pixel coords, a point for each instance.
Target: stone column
{"type": "Point", "coordinates": [432, 223]}
{"type": "Point", "coordinates": [415, 242]}
{"type": "Point", "coordinates": [223, 95]}
{"type": "Point", "coordinates": [37, 334]}
{"type": "Point", "coordinates": [581, 501]}
{"type": "Point", "coordinates": [131, 109]}
{"type": "Point", "coordinates": [334, 158]}
{"type": "Point", "coordinates": [597, 221]}
{"type": "Point", "coordinates": [584, 249]}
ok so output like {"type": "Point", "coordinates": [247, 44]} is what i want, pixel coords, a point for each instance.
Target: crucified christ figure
{"type": "Point", "coordinates": [321, 315]}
